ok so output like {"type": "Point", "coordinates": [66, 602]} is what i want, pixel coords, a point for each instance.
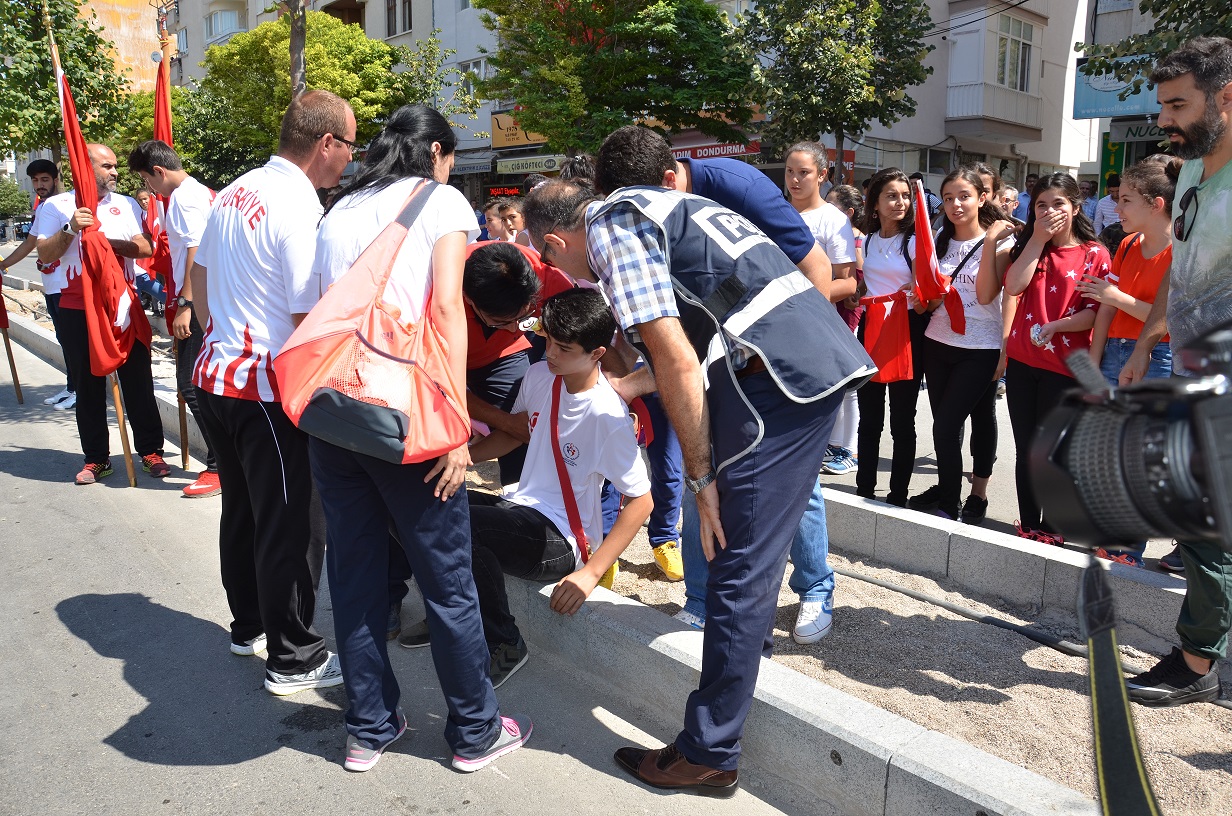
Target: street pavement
{"type": "Point", "coordinates": [121, 696]}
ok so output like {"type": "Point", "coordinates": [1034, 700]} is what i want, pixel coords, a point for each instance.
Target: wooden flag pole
{"type": "Point", "coordinates": [128, 450]}
{"type": "Point", "coordinates": [8, 349]}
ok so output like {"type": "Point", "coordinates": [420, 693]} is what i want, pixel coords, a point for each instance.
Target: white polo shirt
{"type": "Point", "coordinates": [258, 250]}
{"type": "Point", "coordinates": [187, 214]}
{"type": "Point", "coordinates": [119, 217]}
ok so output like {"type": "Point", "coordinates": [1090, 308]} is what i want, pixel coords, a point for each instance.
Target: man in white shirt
{"type": "Point", "coordinates": [252, 282]}
{"type": "Point", "coordinates": [1105, 211]}
{"type": "Point", "coordinates": [528, 533]}
{"type": "Point", "coordinates": [58, 227]}
{"type": "Point", "coordinates": [188, 210]}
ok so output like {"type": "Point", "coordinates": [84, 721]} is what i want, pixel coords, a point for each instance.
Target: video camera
{"type": "Point", "coordinates": [1113, 467]}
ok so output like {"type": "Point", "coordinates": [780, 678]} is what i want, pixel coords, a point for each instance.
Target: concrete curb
{"type": "Point", "coordinates": [994, 564]}
{"type": "Point", "coordinates": [825, 749]}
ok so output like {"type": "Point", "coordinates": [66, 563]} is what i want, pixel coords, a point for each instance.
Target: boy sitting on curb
{"type": "Point", "coordinates": [528, 533]}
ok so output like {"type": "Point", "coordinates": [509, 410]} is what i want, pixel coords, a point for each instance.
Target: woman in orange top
{"type": "Point", "coordinates": [1137, 269]}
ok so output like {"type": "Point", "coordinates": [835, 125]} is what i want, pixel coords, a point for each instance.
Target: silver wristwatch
{"type": "Point", "coordinates": [698, 485]}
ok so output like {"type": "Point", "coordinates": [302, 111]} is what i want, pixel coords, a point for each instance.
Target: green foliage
{"type": "Point", "coordinates": [14, 201]}
{"type": "Point", "coordinates": [835, 66]}
{"type": "Point", "coordinates": [582, 68]}
{"type": "Point", "coordinates": [29, 101]}
{"type": "Point", "coordinates": [1176, 21]}
{"type": "Point", "coordinates": [231, 122]}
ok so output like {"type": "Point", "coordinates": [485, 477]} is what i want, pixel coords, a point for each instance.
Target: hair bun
{"type": "Point", "coordinates": [1173, 168]}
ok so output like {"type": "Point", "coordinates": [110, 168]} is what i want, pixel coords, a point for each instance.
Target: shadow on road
{"type": "Point", "coordinates": [205, 706]}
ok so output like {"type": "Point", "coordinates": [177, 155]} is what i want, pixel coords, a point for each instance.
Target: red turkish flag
{"type": "Point", "coordinates": [114, 318]}
{"type": "Point", "coordinates": [930, 284]}
{"type": "Point", "coordinates": [887, 336]}
{"type": "Point", "coordinates": [4, 314]}
{"type": "Point", "coordinates": [160, 261]}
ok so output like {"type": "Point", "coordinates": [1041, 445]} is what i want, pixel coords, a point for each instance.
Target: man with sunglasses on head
{"type": "Point", "coordinates": [1194, 87]}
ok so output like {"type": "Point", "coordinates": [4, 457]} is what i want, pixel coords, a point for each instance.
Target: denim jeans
{"type": "Point", "coordinates": [811, 578]}
{"type": "Point", "coordinates": [1116, 355]}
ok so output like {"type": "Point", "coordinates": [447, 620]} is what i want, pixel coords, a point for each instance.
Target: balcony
{"type": "Point", "coordinates": [993, 113]}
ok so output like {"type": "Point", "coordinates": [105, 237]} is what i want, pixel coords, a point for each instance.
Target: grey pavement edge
{"type": "Point", "coordinates": [810, 748]}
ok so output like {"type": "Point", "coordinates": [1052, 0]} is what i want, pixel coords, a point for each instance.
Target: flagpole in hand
{"type": "Point", "coordinates": [128, 451]}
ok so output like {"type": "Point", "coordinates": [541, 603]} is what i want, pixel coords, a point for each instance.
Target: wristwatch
{"type": "Point", "coordinates": [698, 485]}
{"type": "Point", "coordinates": [182, 301]}
{"type": "Point", "coordinates": [68, 227]}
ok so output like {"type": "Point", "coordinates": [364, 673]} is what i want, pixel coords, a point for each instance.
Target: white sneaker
{"type": "Point", "coordinates": [696, 621]}
{"type": "Point", "coordinates": [813, 621]}
{"type": "Point", "coordinates": [66, 404]}
{"type": "Point", "coordinates": [249, 647]}
{"type": "Point", "coordinates": [326, 675]}
{"type": "Point", "coordinates": [63, 395]}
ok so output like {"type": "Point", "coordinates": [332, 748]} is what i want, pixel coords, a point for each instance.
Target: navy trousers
{"type": "Point", "coordinates": [361, 496]}
{"type": "Point", "coordinates": [761, 500]}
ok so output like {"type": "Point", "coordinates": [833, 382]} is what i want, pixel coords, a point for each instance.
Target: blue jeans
{"type": "Point", "coordinates": [812, 578]}
{"type": "Point", "coordinates": [666, 476]}
{"type": "Point", "coordinates": [1116, 355]}
{"type": "Point", "coordinates": [148, 285]}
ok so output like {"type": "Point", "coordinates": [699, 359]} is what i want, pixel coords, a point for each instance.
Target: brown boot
{"type": "Point", "coordinates": [667, 768]}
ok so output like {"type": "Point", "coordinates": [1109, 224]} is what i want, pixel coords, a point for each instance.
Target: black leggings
{"type": "Point", "coordinates": [959, 380]}
{"type": "Point", "coordinates": [1030, 393]}
{"type": "Point", "coordinates": [903, 397]}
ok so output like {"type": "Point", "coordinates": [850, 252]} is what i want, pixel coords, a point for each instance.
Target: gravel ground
{"type": "Point", "coordinates": [994, 689]}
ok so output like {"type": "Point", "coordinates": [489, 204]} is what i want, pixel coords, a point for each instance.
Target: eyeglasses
{"type": "Point", "coordinates": [524, 317]}
{"type": "Point", "coordinates": [354, 147]}
{"type": "Point", "coordinates": [1181, 227]}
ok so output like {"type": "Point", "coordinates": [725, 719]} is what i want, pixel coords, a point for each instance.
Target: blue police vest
{"type": "Point", "coordinates": [735, 288]}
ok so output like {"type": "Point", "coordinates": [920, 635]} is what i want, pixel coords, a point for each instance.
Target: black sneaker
{"type": "Point", "coordinates": [1173, 683]}
{"type": "Point", "coordinates": [1172, 561]}
{"type": "Point", "coordinates": [928, 500]}
{"type": "Point", "coordinates": [506, 659]}
{"type": "Point", "coordinates": [416, 637]}
{"type": "Point", "coordinates": [974, 510]}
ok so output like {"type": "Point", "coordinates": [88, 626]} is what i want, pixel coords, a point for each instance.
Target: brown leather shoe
{"type": "Point", "coordinates": [668, 769]}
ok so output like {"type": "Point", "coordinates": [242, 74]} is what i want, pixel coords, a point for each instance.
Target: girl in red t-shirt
{"type": "Point", "coordinates": [1055, 249]}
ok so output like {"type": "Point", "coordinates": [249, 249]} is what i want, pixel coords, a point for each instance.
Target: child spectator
{"type": "Point", "coordinates": [841, 452]}
{"type": "Point", "coordinates": [528, 532]}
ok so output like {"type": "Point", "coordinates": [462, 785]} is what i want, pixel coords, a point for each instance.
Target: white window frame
{"type": "Point", "coordinates": [214, 24]}
{"type": "Point", "coordinates": [479, 67]}
{"type": "Point", "coordinates": [1016, 42]}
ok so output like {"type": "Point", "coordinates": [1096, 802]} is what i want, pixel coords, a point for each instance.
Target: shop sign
{"type": "Point", "coordinates": [506, 132]}
{"type": "Point", "coordinates": [468, 166]}
{"type": "Point", "coordinates": [530, 164]}
{"type": "Point", "coordinates": [1136, 132]}
{"type": "Point", "coordinates": [1096, 97]}
{"type": "Point", "coordinates": [716, 151]}
{"type": "Point", "coordinates": [504, 190]}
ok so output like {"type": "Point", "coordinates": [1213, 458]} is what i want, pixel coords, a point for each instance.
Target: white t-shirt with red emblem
{"type": "Point", "coordinates": [258, 251]}
{"type": "Point", "coordinates": [597, 442]}
{"type": "Point", "coordinates": [187, 214]}
{"type": "Point", "coordinates": [119, 217]}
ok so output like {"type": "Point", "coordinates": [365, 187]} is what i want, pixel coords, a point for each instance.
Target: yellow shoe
{"type": "Point", "coordinates": [667, 556]}
{"type": "Point", "coordinates": [609, 577]}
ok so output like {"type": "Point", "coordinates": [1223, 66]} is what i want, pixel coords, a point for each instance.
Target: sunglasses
{"type": "Point", "coordinates": [1183, 226]}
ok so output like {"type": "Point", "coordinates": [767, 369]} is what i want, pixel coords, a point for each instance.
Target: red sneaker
{"type": "Point", "coordinates": [1128, 559]}
{"type": "Point", "coordinates": [93, 471]}
{"type": "Point", "coordinates": [207, 484]}
{"type": "Point", "coordinates": [153, 464]}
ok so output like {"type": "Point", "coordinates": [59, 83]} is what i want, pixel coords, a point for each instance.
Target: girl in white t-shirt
{"type": "Point", "coordinates": [889, 221]}
{"type": "Point", "coordinates": [962, 367]}
{"type": "Point", "coordinates": [364, 497]}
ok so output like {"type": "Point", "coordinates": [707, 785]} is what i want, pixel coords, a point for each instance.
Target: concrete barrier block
{"type": "Point", "coordinates": [13, 282]}
{"type": "Point", "coordinates": [912, 541]}
{"type": "Point", "coordinates": [1002, 566]}
{"type": "Point", "coordinates": [936, 774]}
{"type": "Point", "coordinates": [851, 522]}
{"type": "Point", "coordinates": [1148, 600]}
{"type": "Point", "coordinates": [38, 341]}
{"type": "Point", "coordinates": [1062, 577]}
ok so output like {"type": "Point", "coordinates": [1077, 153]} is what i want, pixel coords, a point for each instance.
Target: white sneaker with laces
{"type": "Point", "coordinates": [326, 675]}
{"type": "Point", "coordinates": [813, 622]}
{"type": "Point", "coordinates": [66, 404]}
{"type": "Point", "coordinates": [63, 395]}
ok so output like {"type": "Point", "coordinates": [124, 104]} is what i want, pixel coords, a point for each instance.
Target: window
{"type": "Point", "coordinates": [935, 162]}
{"type": "Point", "coordinates": [181, 41]}
{"type": "Point", "coordinates": [222, 23]}
{"type": "Point", "coordinates": [470, 71]}
{"type": "Point", "coordinates": [463, 5]}
{"type": "Point", "coordinates": [406, 15]}
{"type": "Point", "coordinates": [391, 17]}
{"type": "Point", "coordinates": [1015, 40]}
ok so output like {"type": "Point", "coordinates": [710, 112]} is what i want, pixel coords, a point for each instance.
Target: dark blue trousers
{"type": "Point", "coordinates": [666, 475]}
{"type": "Point", "coordinates": [498, 384]}
{"type": "Point", "coordinates": [761, 499]}
{"type": "Point", "coordinates": [361, 496]}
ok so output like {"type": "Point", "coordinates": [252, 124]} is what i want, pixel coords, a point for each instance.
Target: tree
{"type": "Point", "coordinates": [14, 201]}
{"type": "Point", "coordinates": [1131, 59]}
{"type": "Point", "coordinates": [138, 127]}
{"type": "Point", "coordinates": [29, 101]}
{"type": "Point", "coordinates": [297, 43]}
{"type": "Point", "coordinates": [835, 66]}
{"type": "Point", "coordinates": [231, 121]}
{"type": "Point", "coordinates": [587, 67]}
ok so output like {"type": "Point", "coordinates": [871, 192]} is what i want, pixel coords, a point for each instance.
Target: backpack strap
{"type": "Point", "coordinates": [562, 473]}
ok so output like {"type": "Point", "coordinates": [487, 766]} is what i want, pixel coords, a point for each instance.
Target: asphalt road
{"type": "Point", "coordinates": [121, 697]}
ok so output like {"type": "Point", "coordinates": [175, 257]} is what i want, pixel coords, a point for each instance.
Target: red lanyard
{"type": "Point", "coordinates": [566, 486]}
